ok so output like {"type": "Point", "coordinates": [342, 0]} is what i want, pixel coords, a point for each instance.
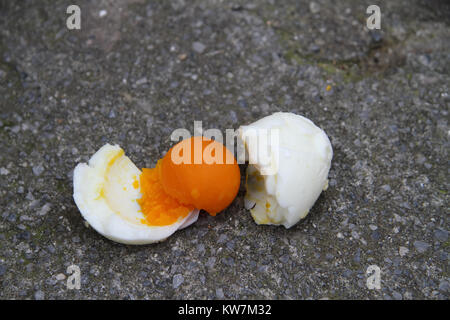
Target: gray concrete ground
{"type": "Point", "coordinates": [140, 69]}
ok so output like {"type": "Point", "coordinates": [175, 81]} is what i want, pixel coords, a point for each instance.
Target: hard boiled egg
{"type": "Point", "coordinates": [131, 206]}
{"type": "Point", "coordinates": [289, 160]}
{"type": "Point", "coordinates": [107, 191]}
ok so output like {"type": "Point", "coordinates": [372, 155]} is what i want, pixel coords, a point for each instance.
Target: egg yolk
{"type": "Point", "coordinates": [208, 178]}
{"type": "Point", "coordinates": [158, 208]}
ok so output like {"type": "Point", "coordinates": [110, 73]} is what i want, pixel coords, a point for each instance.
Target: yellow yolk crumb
{"type": "Point", "coordinates": [158, 208]}
{"type": "Point", "coordinates": [328, 88]}
{"type": "Point", "coordinates": [135, 184]}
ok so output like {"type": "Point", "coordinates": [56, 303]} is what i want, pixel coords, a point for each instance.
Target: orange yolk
{"type": "Point", "coordinates": [208, 178]}
{"type": "Point", "coordinates": [171, 190]}
{"type": "Point", "coordinates": [158, 208]}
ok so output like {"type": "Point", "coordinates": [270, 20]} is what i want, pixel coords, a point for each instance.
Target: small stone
{"type": "Point", "coordinates": [45, 209]}
{"type": "Point", "coordinates": [34, 204]}
{"type": "Point", "coordinates": [347, 273]}
{"type": "Point", "coordinates": [2, 270]}
{"type": "Point", "coordinates": [403, 251]}
{"type": "Point", "coordinates": [25, 235]}
{"type": "Point", "coordinates": [425, 59]}
{"type": "Point", "coordinates": [201, 248]}
{"type": "Point", "coordinates": [211, 262]}
{"type": "Point", "coordinates": [263, 269]}
{"type": "Point", "coordinates": [4, 171]}
{"type": "Point", "coordinates": [228, 261]}
{"type": "Point", "coordinates": [198, 47]}
{"type": "Point", "coordinates": [386, 188]}
{"type": "Point", "coordinates": [375, 235]}
{"type": "Point", "coordinates": [314, 48]}
{"type": "Point", "coordinates": [178, 279]}
{"type": "Point", "coordinates": [408, 295]}
{"type": "Point", "coordinates": [112, 114]}
{"type": "Point", "coordinates": [60, 276]}
{"type": "Point", "coordinates": [233, 116]}
{"type": "Point", "coordinates": [242, 103]}
{"type": "Point", "coordinates": [284, 258]}
{"type": "Point", "coordinates": [421, 246]}
{"type": "Point", "coordinates": [332, 183]}
{"type": "Point", "coordinates": [357, 256]}
{"type": "Point", "coordinates": [37, 170]}
{"type": "Point", "coordinates": [12, 217]}
{"type": "Point", "coordinates": [147, 283]}
{"type": "Point", "coordinates": [441, 234]}
{"type": "Point", "coordinates": [420, 159]}
{"type": "Point", "coordinates": [373, 227]}
{"type": "Point", "coordinates": [222, 239]}
{"type": "Point", "coordinates": [314, 7]}
{"type": "Point", "coordinates": [39, 295]}
{"type": "Point", "coordinates": [340, 235]}
{"type": "Point", "coordinates": [182, 56]}
{"type": "Point", "coordinates": [444, 286]}
{"type": "Point", "coordinates": [102, 13]}
{"type": "Point", "coordinates": [141, 81]}
{"type": "Point", "coordinates": [397, 295]}
{"type": "Point", "coordinates": [219, 293]}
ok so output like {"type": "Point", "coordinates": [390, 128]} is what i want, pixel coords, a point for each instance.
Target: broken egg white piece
{"type": "Point", "coordinates": [105, 192]}
{"type": "Point", "coordinates": [284, 176]}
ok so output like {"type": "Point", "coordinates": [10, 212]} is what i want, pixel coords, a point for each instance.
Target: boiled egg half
{"type": "Point", "coordinates": [289, 160]}
{"type": "Point", "coordinates": [131, 206]}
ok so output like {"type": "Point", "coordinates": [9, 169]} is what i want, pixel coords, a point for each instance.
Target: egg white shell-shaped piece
{"type": "Point", "coordinates": [285, 182]}
{"type": "Point", "coordinates": [105, 195]}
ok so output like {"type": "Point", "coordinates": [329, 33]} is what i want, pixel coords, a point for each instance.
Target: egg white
{"type": "Point", "coordinates": [105, 195]}
{"type": "Point", "coordinates": [302, 159]}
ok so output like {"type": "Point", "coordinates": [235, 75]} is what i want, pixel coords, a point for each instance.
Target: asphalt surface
{"type": "Point", "coordinates": [137, 70]}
